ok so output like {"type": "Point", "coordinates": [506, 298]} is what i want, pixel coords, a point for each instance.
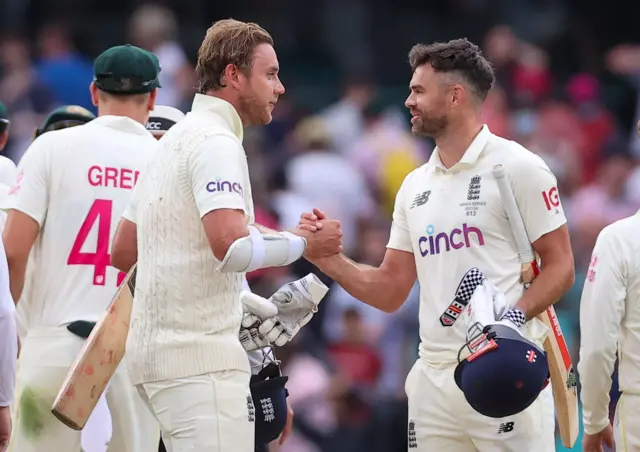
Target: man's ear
{"type": "Point", "coordinates": [94, 94]}
{"type": "Point", "coordinates": [232, 76]}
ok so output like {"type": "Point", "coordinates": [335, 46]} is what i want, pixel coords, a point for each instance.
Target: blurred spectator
{"type": "Point", "coordinates": [598, 128]}
{"type": "Point", "coordinates": [344, 118]}
{"type": "Point", "coordinates": [327, 179]}
{"type": "Point", "coordinates": [601, 203]}
{"type": "Point", "coordinates": [155, 28]}
{"type": "Point", "coordinates": [385, 153]}
{"type": "Point", "coordinates": [62, 68]}
{"type": "Point", "coordinates": [23, 92]}
{"type": "Point", "coordinates": [354, 355]}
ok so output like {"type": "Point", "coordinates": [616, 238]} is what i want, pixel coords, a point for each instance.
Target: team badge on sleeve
{"type": "Point", "coordinates": [472, 279]}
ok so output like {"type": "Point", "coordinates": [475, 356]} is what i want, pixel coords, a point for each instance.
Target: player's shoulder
{"type": "Point", "coordinates": [621, 232]}
{"type": "Point", "coordinates": [416, 176]}
{"type": "Point", "coordinates": [6, 163]}
{"type": "Point", "coordinates": [514, 155]}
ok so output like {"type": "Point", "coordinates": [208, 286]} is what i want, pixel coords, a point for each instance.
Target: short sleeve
{"type": "Point", "coordinates": [400, 237]}
{"type": "Point", "coordinates": [536, 191]}
{"type": "Point", "coordinates": [217, 172]}
{"type": "Point", "coordinates": [30, 192]}
{"type": "Point", "coordinates": [131, 211]}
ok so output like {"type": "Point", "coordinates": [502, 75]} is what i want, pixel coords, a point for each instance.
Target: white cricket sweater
{"type": "Point", "coordinates": [186, 315]}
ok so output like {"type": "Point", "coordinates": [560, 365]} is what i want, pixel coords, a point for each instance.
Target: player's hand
{"type": "Point", "coordinates": [297, 302]}
{"type": "Point", "coordinates": [326, 242]}
{"type": "Point", "coordinates": [593, 443]}
{"type": "Point", "coordinates": [288, 427]}
{"type": "Point", "coordinates": [312, 221]}
{"type": "Point", "coordinates": [5, 427]}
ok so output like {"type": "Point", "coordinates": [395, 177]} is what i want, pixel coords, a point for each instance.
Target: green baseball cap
{"type": "Point", "coordinates": [4, 118]}
{"type": "Point", "coordinates": [126, 69]}
{"type": "Point", "coordinates": [63, 117]}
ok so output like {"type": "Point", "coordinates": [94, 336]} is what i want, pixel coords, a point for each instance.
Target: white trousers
{"type": "Point", "coordinates": [213, 412]}
{"type": "Point", "coordinates": [626, 425]}
{"type": "Point", "coordinates": [45, 359]}
{"type": "Point", "coordinates": [440, 419]}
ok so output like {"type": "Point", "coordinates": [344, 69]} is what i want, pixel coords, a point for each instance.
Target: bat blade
{"type": "Point", "coordinates": [97, 361]}
{"type": "Point", "coordinates": [561, 370]}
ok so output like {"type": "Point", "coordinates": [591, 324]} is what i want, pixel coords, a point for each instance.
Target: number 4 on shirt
{"type": "Point", "coordinates": [100, 212]}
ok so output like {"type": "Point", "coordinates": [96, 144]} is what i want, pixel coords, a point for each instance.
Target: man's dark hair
{"type": "Point", "coordinates": [457, 56]}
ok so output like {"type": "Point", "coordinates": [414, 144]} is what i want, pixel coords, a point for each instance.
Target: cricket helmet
{"type": "Point", "coordinates": [504, 375]}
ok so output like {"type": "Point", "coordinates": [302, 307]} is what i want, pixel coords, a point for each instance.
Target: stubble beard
{"type": "Point", "coordinates": [256, 113]}
{"type": "Point", "coordinates": [430, 127]}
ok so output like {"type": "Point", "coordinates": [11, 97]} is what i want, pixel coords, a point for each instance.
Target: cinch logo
{"type": "Point", "coordinates": [224, 185]}
{"type": "Point", "coordinates": [443, 242]}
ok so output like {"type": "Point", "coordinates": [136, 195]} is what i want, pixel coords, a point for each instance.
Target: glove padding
{"type": "Point", "coordinates": [296, 302]}
{"type": "Point", "coordinates": [256, 309]}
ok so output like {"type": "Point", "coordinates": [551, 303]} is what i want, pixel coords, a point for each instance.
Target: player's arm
{"type": "Point", "coordinates": [385, 287]}
{"type": "Point", "coordinates": [602, 308]}
{"type": "Point", "coordinates": [124, 251]}
{"type": "Point", "coordinates": [26, 205]}
{"type": "Point", "coordinates": [535, 190]}
{"type": "Point", "coordinates": [217, 172]}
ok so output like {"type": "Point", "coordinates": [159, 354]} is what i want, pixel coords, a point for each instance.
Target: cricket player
{"type": "Point", "coordinates": [72, 186]}
{"type": "Point", "coordinates": [191, 229]}
{"type": "Point", "coordinates": [448, 218]}
{"type": "Point", "coordinates": [8, 352]}
{"type": "Point", "coordinates": [8, 169]}
{"type": "Point", "coordinates": [610, 323]}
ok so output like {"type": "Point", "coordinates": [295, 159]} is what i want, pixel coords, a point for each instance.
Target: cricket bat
{"type": "Point", "coordinates": [97, 361]}
{"type": "Point", "coordinates": [561, 370]}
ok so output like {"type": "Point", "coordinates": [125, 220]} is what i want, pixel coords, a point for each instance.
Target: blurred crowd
{"type": "Point", "coordinates": [347, 368]}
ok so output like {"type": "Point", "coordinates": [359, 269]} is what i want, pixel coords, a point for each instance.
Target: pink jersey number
{"type": "Point", "coordinates": [100, 212]}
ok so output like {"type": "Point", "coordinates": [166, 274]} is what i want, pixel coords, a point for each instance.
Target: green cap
{"type": "Point", "coordinates": [65, 116]}
{"type": "Point", "coordinates": [4, 118]}
{"type": "Point", "coordinates": [126, 69]}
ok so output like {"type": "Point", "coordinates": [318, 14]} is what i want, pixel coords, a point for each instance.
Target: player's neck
{"type": "Point", "coordinates": [232, 98]}
{"type": "Point", "coordinates": [455, 141]}
{"type": "Point", "coordinates": [140, 115]}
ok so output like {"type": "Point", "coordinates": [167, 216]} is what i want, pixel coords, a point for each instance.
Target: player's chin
{"type": "Point", "coordinates": [266, 116]}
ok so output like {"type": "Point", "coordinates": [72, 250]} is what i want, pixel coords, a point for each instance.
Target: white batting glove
{"type": "Point", "coordinates": [296, 302]}
{"type": "Point", "coordinates": [256, 309]}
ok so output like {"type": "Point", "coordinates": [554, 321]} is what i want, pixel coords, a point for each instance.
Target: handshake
{"type": "Point", "coordinates": [276, 321]}
{"type": "Point", "coordinates": [323, 235]}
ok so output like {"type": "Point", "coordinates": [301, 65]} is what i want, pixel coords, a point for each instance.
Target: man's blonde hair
{"type": "Point", "coordinates": [227, 42]}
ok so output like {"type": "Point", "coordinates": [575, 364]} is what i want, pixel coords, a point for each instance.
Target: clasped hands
{"type": "Point", "coordinates": [323, 235]}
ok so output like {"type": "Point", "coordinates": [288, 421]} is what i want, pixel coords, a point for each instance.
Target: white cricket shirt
{"type": "Point", "coordinates": [187, 315]}
{"type": "Point", "coordinates": [76, 183]}
{"type": "Point", "coordinates": [453, 219]}
{"type": "Point", "coordinates": [8, 335]}
{"type": "Point", "coordinates": [610, 320]}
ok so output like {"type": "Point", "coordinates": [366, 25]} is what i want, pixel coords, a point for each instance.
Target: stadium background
{"type": "Point", "coordinates": [568, 74]}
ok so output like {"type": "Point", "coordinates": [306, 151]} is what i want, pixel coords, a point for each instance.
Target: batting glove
{"type": "Point", "coordinates": [256, 309]}
{"type": "Point", "coordinates": [296, 302]}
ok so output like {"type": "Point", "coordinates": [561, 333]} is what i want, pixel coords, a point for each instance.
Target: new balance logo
{"type": "Point", "coordinates": [420, 199]}
{"type": "Point", "coordinates": [505, 427]}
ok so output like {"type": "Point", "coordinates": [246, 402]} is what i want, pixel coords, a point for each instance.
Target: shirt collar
{"type": "Point", "coordinates": [121, 123]}
{"type": "Point", "coordinates": [223, 109]}
{"type": "Point", "coordinates": [470, 156]}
